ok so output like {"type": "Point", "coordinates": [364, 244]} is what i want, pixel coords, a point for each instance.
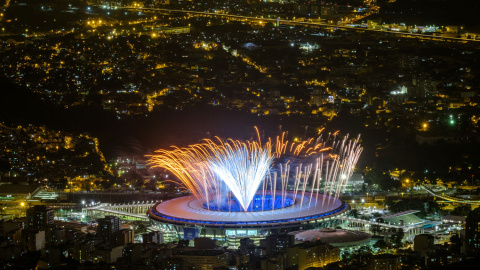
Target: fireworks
{"type": "Point", "coordinates": [213, 169]}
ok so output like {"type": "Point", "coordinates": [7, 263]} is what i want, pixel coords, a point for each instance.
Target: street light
{"type": "Point", "coordinates": [22, 204]}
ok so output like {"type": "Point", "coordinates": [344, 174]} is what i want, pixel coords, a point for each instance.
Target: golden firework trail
{"type": "Point", "coordinates": [211, 168]}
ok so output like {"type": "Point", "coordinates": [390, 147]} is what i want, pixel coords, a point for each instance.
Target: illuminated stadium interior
{"type": "Point", "coordinates": [246, 188]}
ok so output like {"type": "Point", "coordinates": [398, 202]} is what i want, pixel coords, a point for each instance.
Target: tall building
{"type": "Point", "coordinates": [124, 237]}
{"type": "Point", "coordinates": [312, 254]}
{"type": "Point", "coordinates": [156, 237]}
{"type": "Point", "coordinates": [107, 227]}
{"type": "Point", "coordinates": [34, 240]}
{"type": "Point", "coordinates": [472, 232]}
{"type": "Point", "coordinates": [55, 236]}
{"type": "Point", "coordinates": [7, 227]}
{"type": "Point", "coordinates": [278, 243]}
{"type": "Point", "coordinates": [39, 217]}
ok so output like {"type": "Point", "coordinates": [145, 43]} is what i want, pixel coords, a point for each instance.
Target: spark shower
{"type": "Point", "coordinates": [214, 170]}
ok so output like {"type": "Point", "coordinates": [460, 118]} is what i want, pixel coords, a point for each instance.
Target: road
{"type": "Point", "coordinates": [315, 24]}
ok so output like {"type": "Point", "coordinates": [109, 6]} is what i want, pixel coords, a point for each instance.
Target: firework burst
{"type": "Point", "coordinates": [213, 168]}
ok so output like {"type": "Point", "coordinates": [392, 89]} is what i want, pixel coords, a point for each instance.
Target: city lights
{"type": "Point", "coordinates": [90, 90]}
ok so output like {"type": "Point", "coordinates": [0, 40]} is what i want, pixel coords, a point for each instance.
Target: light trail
{"type": "Point", "coordinates": [293, 22]}
{"type": "Point", "coordinates": [450, 198]}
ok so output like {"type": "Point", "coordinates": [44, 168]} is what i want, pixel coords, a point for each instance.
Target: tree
{"type": "Point", "coordinates": [4, 165]}
{"type": "Point", "coordinates": [397, 238]}
{"type": "Point", "coordinates": [134, 179]}
{"type": "Point", "coordinates": [383, 180]}
{"type": "Point", "coordinates": [151, 184]}
{"type": "Point", "coordinates": [408, 204]}
{"type": "Point", "coordinates": [456, 243]}
{"type": "Point", "coordinates": [380, 244]}
{"type": "Point", "coordinates": [61, 184]}
{"type": "Point", "coordinates": [461, 210]}
{"type": "Point", "coordinates": [364, 250]}
{"type": "Point", "coordinates": [107, 183]}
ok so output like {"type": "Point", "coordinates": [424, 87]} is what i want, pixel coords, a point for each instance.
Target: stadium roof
{"type": "Point", "coordinates": [408, 218]}
{"type": "Point", "coordinates": [190, 210]}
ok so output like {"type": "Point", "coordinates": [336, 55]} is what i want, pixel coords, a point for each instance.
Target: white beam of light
{"type": "Point", "coordinates": [242, 167]}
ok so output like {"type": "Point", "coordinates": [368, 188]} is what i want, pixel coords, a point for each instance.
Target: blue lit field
{"type": "Point", "coordinates": [259, 203]}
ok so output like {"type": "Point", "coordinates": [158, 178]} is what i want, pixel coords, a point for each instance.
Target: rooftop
{"type": "Point", "coordinates": [332, 236]}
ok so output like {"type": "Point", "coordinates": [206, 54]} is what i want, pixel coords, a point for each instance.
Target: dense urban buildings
{"type": "Point", "coordinates": [472, 230]}
{"type": "Point", "coordinates": [91, 89]}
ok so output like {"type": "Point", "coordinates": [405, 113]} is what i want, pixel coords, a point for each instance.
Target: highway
{"type": "Point", "coordinates": [307, 23]}
{"type": "Point", "coordinates": [450, 198]}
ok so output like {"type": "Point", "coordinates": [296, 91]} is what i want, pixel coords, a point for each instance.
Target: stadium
{"type": "Point", "coordinates": [187, 218]}
{"type": "Point", "coordinates": [246, 189]}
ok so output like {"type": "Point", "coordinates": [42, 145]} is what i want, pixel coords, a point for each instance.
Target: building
{"type": "Point", "coordinates": [278, 243]}
{"type": "Point", "coordinates": [204, 243]}
{"type": "Point", "coordinates": [34, 240]}
{"type": "Point", "coordinates": [202, 259]}
{"type": "Point", "coordinates": [312, 254]}
{"type": "Point", "coordinates": [10, 252]}
{"type": "Point", "coordinates": [385, 262]}
{"type": "Point", "coordinates": [106, 253]}
{"type": "Point", "coordinates": [11, 231]}
{"type": "Point", "coordinates": [124, 237]}
{"type": "Point", "coordinates": [55, 236]}
{"type": "Point", "coordinates": [7, 227]}
{"type": "Point", "coordinates": [39, 217]}
{"type": "Point", "coordinates": [246, 243]}
{"type": "Point", "coordinates": [96, 251]}
{"type": "Point", "coordinates": [334, 237]}
{"type": "Point", "coordinates": [51, 258]}
{"type": "Point", "coordinates": [132, 253]}
{"type": "Point", "coordinates": [107, 227]}
{"type": "Point", "coordinates": [423, 242]}
{"type": "Point", "coordinates": [174, 264]}
{"type": "Point", "coordinates": [19, 191]}
{"type": "Point", "coordinates": [156, 237]}
{"type": "Point", "coordinates": [273, 263]}
{"type": "Point", "coordinates": [472, 232]}
{"type": "Point", "coordinates": [229, 227]}
{"type": "Point", "coordinates": [449, 219]}
{"type": "Point", "coordinates": [82, 251]}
